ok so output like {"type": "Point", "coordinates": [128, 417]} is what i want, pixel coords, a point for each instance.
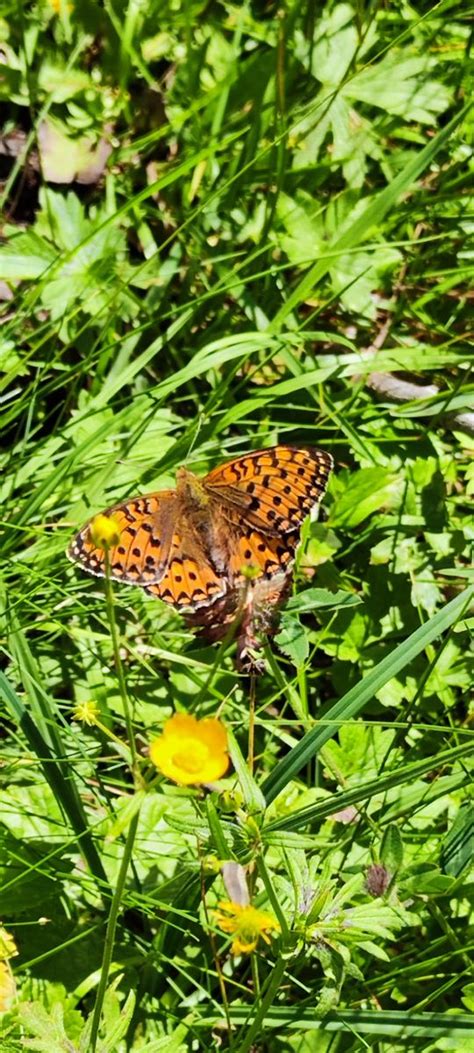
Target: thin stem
{"type": "Point", "coordinates": [255, 1028]}
{"type": "Point", "coordinates": [109, 595]}
{"type": "Point", "coordinates": [251, 750]}
{"type": "Point", "coordinates": [273, 898]}
{"type": "Point", "coordinates": [111, 929]}
{"type": "Point", "coordinates": [255, 976]}
{"type": "Point", "coordinates": [217, 962]}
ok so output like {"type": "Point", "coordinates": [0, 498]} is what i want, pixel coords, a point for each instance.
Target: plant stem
{"type": "Point", "coordinates": [273, 898]}
{"type": "Point", "coordinates": [111, 928]}
{"type": "Point", "coordinates": [255, 1027]}
{"type": "Point", "coordinates": [251, 750]}
{"type": "Point", "coordinates": [109, 595]}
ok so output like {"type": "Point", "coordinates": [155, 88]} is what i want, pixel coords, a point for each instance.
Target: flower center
{"type": "Point", "coordinates": [249, 924]}
{"type": "Point", "coordinates": [191, 756]}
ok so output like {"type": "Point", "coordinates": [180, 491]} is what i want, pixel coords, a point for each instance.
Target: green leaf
{"type": "Point", "coordinates": [367, 491]}
{"type": "Point", "coordinates": [468, 997]}
{"type": "Point", "coordinates": [293, 640]}
{"type": "Point", "coordinates": [388, 1023]}
{"type": "Point", "coordinates": [312, 599]}
{"type": "Point", "coordinates": [401, 85]}
{"type": "Point", "coordinates": [368, 789]}
{"type": "Point", "coordinates": [457, 850]}
{"type": "Point", "coordinates": [363, 226]}
{"type": "Point", "coordinates": [26, 256]}
{"type": "Point", "coordinates": [252, 793]}
{"type": "Point", "coordinates": [64, 789]}
{"type": "Point", "coordinates": [391, 849]}
{"type": "Point", "coordinates": [355, 699]}
{"type": "Point", "coordinates": [217, 831]}
{"type": "Point", "coordinates": [359, 753]}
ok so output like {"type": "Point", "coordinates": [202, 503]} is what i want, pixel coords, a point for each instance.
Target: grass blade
{"type": "Point", "coordinates": [353, 702]}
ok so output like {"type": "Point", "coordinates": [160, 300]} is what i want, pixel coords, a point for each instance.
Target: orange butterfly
{"type": "Point", "coordinates": [203, 541]}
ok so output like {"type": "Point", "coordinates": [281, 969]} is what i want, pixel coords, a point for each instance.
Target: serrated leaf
{"type": "Point", "coordinates": [400, 85]}
{"type": "Point", "coordinates": [293, 640]}
{"type": "Point", "coordinates": [26, 256]}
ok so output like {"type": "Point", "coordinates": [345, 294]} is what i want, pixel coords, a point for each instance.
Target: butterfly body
{"type": "Point", "coordinates": [204, 544]}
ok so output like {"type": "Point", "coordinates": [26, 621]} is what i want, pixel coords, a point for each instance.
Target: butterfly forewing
{"type": "Point", "coordinates": [273, 489]}
{"type": "Point", "coordinates": [145, 526]}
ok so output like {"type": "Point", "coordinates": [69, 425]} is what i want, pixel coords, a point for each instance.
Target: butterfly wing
{"type": "Point", "coordinates": [142, 554]}
{"type": "Point", "coordinates": [274, 489]}
{"type": "Point", "coordinates": [258, 503]}
{"type": "Point", "coordinates": [255, 553]}
{"type": "Point", "coordinates": [188, 584]}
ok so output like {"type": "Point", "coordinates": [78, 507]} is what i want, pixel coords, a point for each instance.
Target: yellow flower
{"type": "Point", "coordinates": [247, 923]}
{"type": "Point", "coordinates": [57, 5]}
{"type": "Point", "coordinates": [7, 988]}
{"type": "Point", "coordinates": [105, 531]}
{"type": "Point", "coordinates": [7, 984]}
{"type": "Point", "coordinates": [87, 712]}
{"type": "Point", "coordinates": [191, 751]}
{"type": "Point", "coordinates": [8, 947]}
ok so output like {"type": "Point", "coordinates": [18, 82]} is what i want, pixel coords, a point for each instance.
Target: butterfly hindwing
{"type": "Point", "coordinates": [255, 555]}
{"type": "Point", "coordinates": [189, 585]}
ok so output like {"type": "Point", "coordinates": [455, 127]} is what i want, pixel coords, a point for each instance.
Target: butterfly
{"type": "Point", "coordinates": [198, 546]}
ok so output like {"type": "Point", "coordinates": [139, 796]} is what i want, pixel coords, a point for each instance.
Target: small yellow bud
{"type": "Point", "coordinates": [231, 800]}
{"type": "Point", "coordinates": [250, 571]}
{"type": "Point", "coordinates": [87, 713]}
{"type": "Point", "coordinates": [211, 864]}
{"type": "Point", "coordinates": [105, 531]}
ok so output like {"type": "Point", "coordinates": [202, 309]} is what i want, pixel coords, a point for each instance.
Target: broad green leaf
{"type": "Point", "coordinates": [401, 85]}
{"type": "Point", "coordinates": [367, 491]}
{"type": "Point", "coordinates": [292, 639]}
{"type": "Point", "coordinates": [26, 256]}
{"type": "Point", "coordinates": [364, 225]}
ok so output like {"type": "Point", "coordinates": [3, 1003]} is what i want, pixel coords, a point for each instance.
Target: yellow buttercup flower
{"type": "Point", "coordinates": [191, 751]}
{"type": "Point", "coordinates": [7, 988]}
{"type": "Point", "coordinates": [105, 531]}
{"type": "Point", "coordinates": [8, 950]}
{"type": "Point", "coordinates": [247, 923]}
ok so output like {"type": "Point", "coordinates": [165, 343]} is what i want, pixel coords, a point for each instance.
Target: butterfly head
{"type": "Point", "coordinates": [190, 490]}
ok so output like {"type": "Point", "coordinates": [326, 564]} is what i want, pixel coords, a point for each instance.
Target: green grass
{"type": "Point", "coordinates": [285, 210]}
